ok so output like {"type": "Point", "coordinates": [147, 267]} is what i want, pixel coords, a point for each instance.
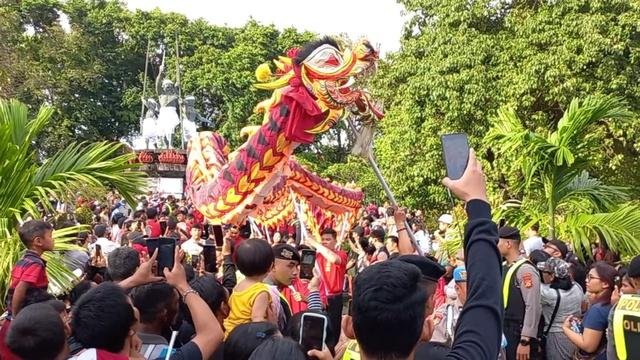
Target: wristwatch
{"type": "Point", "coordinates": [525, 342]}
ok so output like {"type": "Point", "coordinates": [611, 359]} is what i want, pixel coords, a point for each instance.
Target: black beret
{"type": "Point", "coordinates": [509, 233]}
{"type": "Point", "coordinates": [634, 267]}
{"type": "Point", "coordinates": [430, 269]}
{"type": "Point", "coordinates": [286, 252]}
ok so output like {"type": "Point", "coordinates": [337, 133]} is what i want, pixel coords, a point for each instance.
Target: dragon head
{"type": "Point", "coordinates": [331, 75]}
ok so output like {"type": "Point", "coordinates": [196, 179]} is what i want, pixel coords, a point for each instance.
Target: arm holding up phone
{"type": "Point", "coordinates": [208, 331]}
{"type": "Point", "coordinates": [483, 265]}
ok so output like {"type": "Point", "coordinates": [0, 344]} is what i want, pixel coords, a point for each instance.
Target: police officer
{"type": "Point", "coordinates": [446, 316]}
{"type": "Point", "coordinates": [521, 297]}
{"type": "Point", "coordinates": [623, 334]}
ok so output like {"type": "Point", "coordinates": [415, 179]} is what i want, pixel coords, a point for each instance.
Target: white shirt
{"type": "Point", "coordinates": [106, 245]}
{"type": "Point", "coordinates": [191, 247]}
{"type": "Point", "coordinates": [532, 243]}
{"type": "Point", "coordinates": [424, 241]}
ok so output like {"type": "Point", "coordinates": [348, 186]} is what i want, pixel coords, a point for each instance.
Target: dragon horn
{"type": "Point", "coordinates": [281, 82]}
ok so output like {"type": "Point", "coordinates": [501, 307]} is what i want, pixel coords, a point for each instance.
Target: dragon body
{"type": "Point", "coordinates": [313, 88]}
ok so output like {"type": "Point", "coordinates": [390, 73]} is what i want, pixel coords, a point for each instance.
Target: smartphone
{"type": "Point", "coordinates": [152, 245]}
{"type": "Point", "coordinates": [166, 254]}
{"type": "Point", "coordinates": [307, 262]}
{"type": "Point", "coordinates": [209, 256]}
{"type": "Point", "coordinates": [455, 151]}
{"type": "Point", "coordinates": [218, 234]}
{"type": "Point", "coordinates": [195, 261]}
{"type": "Point", "coordinates": [313, 331]}
{"type": "Point", "coordinates": [163, 226]}
{"type": "Point", "coordinates": [576, 325]}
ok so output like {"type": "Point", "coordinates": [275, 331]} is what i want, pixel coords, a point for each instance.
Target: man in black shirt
{"type": "Point", "coordinates": [388, 309]}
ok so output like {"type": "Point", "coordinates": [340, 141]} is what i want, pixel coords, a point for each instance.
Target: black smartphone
{"type": "Point", "coordinates": [455, 151]}
{"type": "Point", "coordinates": [166, 254]}
{"type": "Point", "coordinates": [218, 234]}
{"type": "Point", "coordinates": [313, 331]}
{"type": "Point", "coordinates": [163, 226]}
{"type": "Point", "coordinates": [209, 256]}
{"type": "Point", "coordinates": [195, 260]}
{"type": "Point", "coordinates": [307, 262]}
{"type": "Point", "coordinates": [152, 245]}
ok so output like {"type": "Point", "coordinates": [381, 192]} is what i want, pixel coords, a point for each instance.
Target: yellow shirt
{"type": "Point", "coordinates": [241, 304]}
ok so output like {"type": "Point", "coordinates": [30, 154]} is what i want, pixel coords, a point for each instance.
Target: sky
{"type": "Point", "coordinates": [380, 21]}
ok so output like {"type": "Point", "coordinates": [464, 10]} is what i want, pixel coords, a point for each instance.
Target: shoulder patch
{"type": "Point", "coordinates": [527, 280]}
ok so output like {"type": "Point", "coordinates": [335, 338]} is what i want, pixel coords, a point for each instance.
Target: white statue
{"type": "Point", "coordinates": [149, 124]}
{"type": "Point", "coordinates": [168, 117]}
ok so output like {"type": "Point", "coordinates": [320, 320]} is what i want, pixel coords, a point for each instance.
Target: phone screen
{"type": "Point", "coordinates": [218, 234]}
{"type": "Point", "coordinates": [307, 263]}
{"type": "Point", "coordinates": [209, 255]}
{"type": "Point", "coordinates": [313, 331]}
{"type": "Point", "coordinates": [152, 245]}
{"type": "Point", "coordinates": [166, 254]}
{"type": "Point", "coordinates": [455, 150]}
{"type": "Point", "coordinates": [163, 226]}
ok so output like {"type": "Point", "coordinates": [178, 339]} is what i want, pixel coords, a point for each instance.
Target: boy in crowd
{"type": "Point", "coordinates": [39, 332]}
{"type": "Point", "coordinates": [29, 275]}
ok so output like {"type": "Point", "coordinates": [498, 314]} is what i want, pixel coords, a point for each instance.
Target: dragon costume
{"type": "Point", "coordinates": [313, 88]}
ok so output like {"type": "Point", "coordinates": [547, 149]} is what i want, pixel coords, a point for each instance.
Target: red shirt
{"type": "Point", "coordinates": [154, 227]}
{"type": "Point", "coordinates": [301, 287]}
{"type": "Point", "coordinates": [30, 269]}
{"type": "Point", "coordinates": [332, 275]}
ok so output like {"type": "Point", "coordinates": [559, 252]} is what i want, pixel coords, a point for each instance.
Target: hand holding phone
{"type": "Point", "coordinates": [313, 331]}
{"type": "Point", "coordinates": [472, 184]}
{"type": "Point", "coordinates": [307, 263]}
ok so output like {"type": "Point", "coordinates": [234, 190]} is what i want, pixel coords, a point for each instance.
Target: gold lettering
{"type": "Point", "coordinates": [633, 326]}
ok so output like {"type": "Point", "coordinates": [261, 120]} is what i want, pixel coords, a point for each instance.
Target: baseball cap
{"type": "Point", "coordinates": [446, 219]}
{"type": "Point", "coordinates": [560, 245]}
{"type": "Point", "coordinates": [558, 267]}
{"type": "Point", "coordinates": [460, 274]}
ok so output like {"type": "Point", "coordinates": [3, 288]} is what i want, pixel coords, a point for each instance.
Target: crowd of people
{"type": "Point", "coordinates": [502, 296]}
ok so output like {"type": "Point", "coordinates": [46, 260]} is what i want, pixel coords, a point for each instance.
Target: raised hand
{"type": "Point", "coordinates": [472, 184]}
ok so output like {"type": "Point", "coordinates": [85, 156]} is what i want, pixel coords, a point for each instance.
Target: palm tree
{"type": "Point", "coordinates": [27, 185]}
{"type": "Point", "coordinates": [554, 178]}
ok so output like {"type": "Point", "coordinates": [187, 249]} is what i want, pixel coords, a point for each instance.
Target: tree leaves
{"type": "Point", "coordinates": [462, 61]}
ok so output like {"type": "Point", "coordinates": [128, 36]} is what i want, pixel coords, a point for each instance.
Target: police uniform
{"type": "Point", "coordinates": [623, 334]}
{"type": "Point", "coordinates": [446, 316]}
{"type": "Point", "coordinates": [521, 300]}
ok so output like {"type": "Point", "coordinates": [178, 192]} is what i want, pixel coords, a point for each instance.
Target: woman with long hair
{"type": "Point", "coordinates": [589, 335]}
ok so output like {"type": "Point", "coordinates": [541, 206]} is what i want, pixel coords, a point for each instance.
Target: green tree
{"type": "Point", "coordinates": [27, 186]}
{"type": "Point", "coordinates": [460, 61]}
{"type": "Point", "coordinates": [557, 189]}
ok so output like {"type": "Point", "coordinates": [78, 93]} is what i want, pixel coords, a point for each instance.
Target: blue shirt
{"type": "Point", "coordinates": [596, 318]}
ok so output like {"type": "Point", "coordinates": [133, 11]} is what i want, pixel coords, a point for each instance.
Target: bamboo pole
{"type": "Point", "coordinates": [370, 157]}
